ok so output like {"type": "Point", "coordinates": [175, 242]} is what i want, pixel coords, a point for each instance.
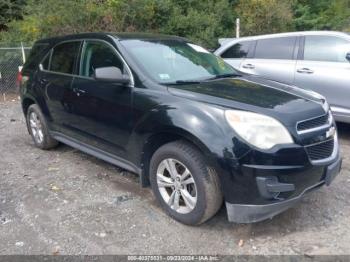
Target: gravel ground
{"type": "Point", "coordinates": [66, 202]}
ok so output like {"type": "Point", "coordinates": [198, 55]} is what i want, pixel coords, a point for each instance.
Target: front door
{"type": "Point", "coordinates": [103, 110]}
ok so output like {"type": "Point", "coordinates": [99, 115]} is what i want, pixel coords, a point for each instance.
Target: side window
{"type": "Point", "coordinates": [37, 52]}
{"type": "Point", "coordinates": [97, 55]}
{"type": "Point", "coordinates": [275, 48]}
{"type": "Point", "coordinates": [46, 62]}
{"type": "Point", "coordinates": [64, 57]}
{"type": "Point", "coordinates": [326, 48]}
{"type": "Point", "coordinates": [239, 50]}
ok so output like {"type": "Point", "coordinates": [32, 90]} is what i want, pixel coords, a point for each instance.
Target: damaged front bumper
{"type": "Point", "coordinates": [241, 213]}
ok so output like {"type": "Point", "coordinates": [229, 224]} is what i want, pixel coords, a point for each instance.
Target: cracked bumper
{"type": "Point", "coordinates": [241, 213]}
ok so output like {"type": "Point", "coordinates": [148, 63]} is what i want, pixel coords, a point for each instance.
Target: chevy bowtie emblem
{"type": "Point", "coordinates": [330, 132]}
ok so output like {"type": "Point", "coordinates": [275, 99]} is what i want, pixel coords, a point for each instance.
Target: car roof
{"type": "Point", "coordinates": [226, 42]}
{"type": "Point", "coordinates": [117, 36]}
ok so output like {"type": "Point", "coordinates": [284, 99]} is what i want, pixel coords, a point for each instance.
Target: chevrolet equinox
{"type": "Point", "coordinates": [194, 129]}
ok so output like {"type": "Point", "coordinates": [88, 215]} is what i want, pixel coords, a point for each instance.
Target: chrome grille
{"type": "Point", "coordinates": [320, 150]}
{"type": "Point", "coordinates": [313, 123]}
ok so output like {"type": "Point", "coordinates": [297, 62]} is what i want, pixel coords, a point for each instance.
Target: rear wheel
{"type": "Point", "coordinates": [186, 188]}
{"type": "Point", "coordinates": [38, 128]}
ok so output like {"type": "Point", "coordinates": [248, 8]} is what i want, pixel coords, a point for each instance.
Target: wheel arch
{"type": "Point", "coordinates": [26, 103]}
{"type": "Point", "coordinates": [199, 124]}
{"type": "Point", "coordinates": [156, 140]}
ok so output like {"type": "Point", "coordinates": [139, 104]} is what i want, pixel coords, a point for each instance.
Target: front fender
{"type": "Point", "coordinates": [202, 124]}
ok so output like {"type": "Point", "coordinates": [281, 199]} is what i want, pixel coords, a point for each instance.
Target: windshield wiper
{"type": "Point", "coordinates": [182, 82]}
{"type": "Point", "coordinates": [223, 76]}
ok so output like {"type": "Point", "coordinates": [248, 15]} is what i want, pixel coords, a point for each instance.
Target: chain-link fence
{"type": "Point", "coordinates": [11, 59]}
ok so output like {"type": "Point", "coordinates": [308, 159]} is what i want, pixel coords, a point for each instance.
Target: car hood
{"type": "Point", "coordinates": [287, 103]}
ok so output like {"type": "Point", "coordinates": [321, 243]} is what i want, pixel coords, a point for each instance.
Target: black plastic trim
{"type": "Point", "coordinates": [269, 187]}
{"type": "Point", "coordinates": [301, 48]}
{"type": "Point", "coordinates": [91, 150]}
{"type": "Point", "coordinates": [272, 167]}
{"type": "Point", "coordinates": [239, 213]}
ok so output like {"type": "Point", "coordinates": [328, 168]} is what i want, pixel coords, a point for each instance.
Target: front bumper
{"type": "Point", "coordinates": [250, 213]}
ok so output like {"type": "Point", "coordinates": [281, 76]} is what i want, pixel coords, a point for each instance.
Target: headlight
{"type": "Point", "coordinates": [259, 130]}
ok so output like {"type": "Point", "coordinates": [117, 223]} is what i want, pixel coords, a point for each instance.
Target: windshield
{"type": "Point", "coordinates": [171, 61]}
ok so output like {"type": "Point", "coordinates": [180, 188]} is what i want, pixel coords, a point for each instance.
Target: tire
{"type": "Point", "coordinates": [205, 187]}
{"type": "Point", "coordinates": [39, 130]}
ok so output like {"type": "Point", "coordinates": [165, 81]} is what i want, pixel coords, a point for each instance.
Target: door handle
{"type": "Point", "coordinates": [43, 81]}
{"type": "Point", "coordinates": [248, 66]}
{"type": "Point", "coordinates": [305, 71]}
{"type": "Point", "coordinates": [79, 91]}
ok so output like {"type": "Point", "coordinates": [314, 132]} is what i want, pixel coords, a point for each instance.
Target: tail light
{"type": "Point", "coordinates": [19, 78]}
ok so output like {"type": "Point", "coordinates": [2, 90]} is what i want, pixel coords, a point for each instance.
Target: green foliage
{"type": "Point", "coordinates": [202, 21]}
{"type": "Point", "coordinates": [322, 14]}
{"type": "Point", "coordinates": [264, 16]}
{"type": "Point", "coordinates": [10, 10]}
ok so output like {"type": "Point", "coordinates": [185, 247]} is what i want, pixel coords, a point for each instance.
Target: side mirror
{"type": "Point", "coordinates": [111, 74]}
{"type": "Point", "coordinates": [348, 56]}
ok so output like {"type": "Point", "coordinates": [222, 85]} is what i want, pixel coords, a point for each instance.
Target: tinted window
{"type": "Point", "coordinates": [64, 57]}
{"type": "Point", "coordinates": [46, 61]}
{"type": "Point", "coordinates": [326, 48]}
{"type": "Point", "coordinates": [239, 50]}
{"type": "Point", "coordinates": [97, 55]}
{"type": "Point", "coordinates": [275, 48]}
{"type": "Point", "coordinates": [35, 55]}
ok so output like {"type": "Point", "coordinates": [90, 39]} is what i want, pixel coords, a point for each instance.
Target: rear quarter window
{"type": "Point", "coordinates": [46, 62]}
{"type": "Point", "coordinates": [35, 55]}
{"type": "Point", "coordinates": [238, 50]}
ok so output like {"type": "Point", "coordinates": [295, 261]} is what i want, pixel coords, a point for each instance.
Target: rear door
{"type": "Point", "coordinates": [274, 58]}
{"type": "Point", "coordinates": [325, 69]}
{"type": "Point", "coordinates": [57, 73]}
{"type": "Point", "coordinates": [236, 54]}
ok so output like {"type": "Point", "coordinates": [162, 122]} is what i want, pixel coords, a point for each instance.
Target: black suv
{"type": "Point", "coordinates": [193, 128]}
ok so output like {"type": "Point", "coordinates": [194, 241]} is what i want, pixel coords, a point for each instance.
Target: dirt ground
{"type": "Point", "coordinates": [66, 202]}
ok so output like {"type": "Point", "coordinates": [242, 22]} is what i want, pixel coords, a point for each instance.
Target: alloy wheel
{"type": "Point", "coordinates": [36, 127]}
{"type": "Point", "coordinates": [176, 185]}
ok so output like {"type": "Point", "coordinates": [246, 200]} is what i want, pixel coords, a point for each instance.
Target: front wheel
{"type": "Point", "coordinates": [186, 188]}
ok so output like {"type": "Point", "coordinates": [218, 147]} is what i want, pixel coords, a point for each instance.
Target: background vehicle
{"type": "Point", "coordinates": [317, 60]}
{"type": "Point", "coordinates": [181, 118]}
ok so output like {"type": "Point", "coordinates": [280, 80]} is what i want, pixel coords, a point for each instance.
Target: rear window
{"type": "Point", "coordinates": [238, 50]}
{"type": "Point", "coordinates": [35, 55]}
{"type": "Point", "coordinates": [275, 48]}
{"type": "Point", "coordinates": [64, 57]}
